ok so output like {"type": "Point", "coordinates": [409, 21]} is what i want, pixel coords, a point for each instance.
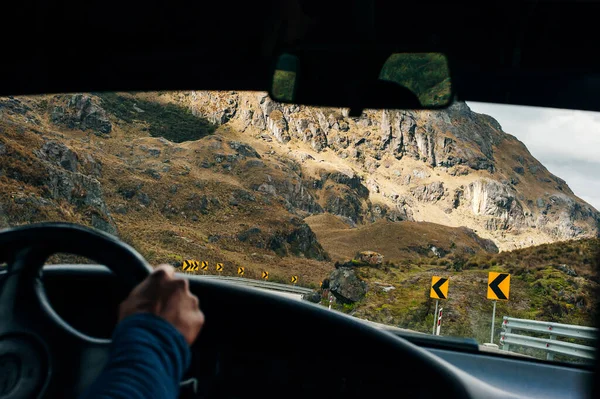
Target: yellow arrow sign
{"type": "Point", "coordinates": [241, 271]}
{"type": "Point", "coordinates": [189, 265]}
{"type": "Point", "coordinates": [265, 275]}
{"type": "Point", "coordinates": [204, 265]}
{"type": "Point", "coordinates": [294, 279]}
{"type": "Point", "coordinates": [498, 286]}
{"type": "Point", "coordinates": [219, 267]}
{"type": "Point", "coordinates": [439, 288]}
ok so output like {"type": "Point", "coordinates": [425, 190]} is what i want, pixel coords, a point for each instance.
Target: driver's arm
{"type": "Point", "coordinates": [150, 351]}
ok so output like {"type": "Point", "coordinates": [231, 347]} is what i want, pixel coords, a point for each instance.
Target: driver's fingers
{"type": "Point", "coordinates": [180, 288]}
{"type": "Point", "coordinates": [175, 287]}
{"type": "Point", "coordinates": [152, 283]}
{"type": "Point", "coordinates": [195, 300]}
{"type": "Point", "coordinates": [163, 271]}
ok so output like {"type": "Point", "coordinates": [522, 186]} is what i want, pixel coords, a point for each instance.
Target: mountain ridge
{"type": "Point", "coordinates": [452, 167]}
{"type": "Point", "coordinates": [419, 165]}
{"type": "Point", "coordinates": [82, 158]}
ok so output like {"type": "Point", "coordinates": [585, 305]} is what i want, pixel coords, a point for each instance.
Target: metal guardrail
{"type": "Point", "coordinates": [258, 284]}
{"type": "Point", "coordinates": [549, 345]}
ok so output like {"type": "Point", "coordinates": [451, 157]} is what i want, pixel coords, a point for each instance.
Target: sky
{"type": "Point", "coordinates": [566, 142]}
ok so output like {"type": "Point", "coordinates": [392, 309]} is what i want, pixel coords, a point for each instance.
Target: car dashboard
{"type": "Point", "coordinates": [283, 360]}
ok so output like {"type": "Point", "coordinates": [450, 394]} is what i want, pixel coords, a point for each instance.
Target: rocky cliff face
{"type": "Point", "coordinates": [242, 172]}
{"type": "Point", "coordinates": [452, 167]}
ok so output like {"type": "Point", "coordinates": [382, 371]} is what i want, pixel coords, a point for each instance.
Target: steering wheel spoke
{"type": "Point", "coordinates": [18, 304]}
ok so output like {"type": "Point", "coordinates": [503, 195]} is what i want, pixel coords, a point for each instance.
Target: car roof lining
{"type": "Point", "coordinates": [517, 53]}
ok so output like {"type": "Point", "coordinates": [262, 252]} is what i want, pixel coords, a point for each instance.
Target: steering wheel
{"type": "Point", "coordinates": [40, 354]}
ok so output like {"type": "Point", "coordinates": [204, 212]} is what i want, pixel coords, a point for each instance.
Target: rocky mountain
{"type": "Point", "coordinates": [178, 179]}
{"type": "Point", "coordinates": [453, 167]}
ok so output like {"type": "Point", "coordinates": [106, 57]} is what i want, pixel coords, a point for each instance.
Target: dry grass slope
{"type": "Point", "coordinates": [397, 241]}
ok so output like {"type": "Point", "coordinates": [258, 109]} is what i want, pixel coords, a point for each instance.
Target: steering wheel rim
{"type": "Point", "coordinates": [77, 240]}
{"type": "Point", "coordinates": [31, 332]}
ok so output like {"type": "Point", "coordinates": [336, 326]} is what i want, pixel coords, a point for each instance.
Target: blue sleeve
{"type": "Point", "coordinates": [147, 360]}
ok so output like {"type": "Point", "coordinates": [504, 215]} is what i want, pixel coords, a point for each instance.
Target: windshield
{"type": "Point", "coordinates": [439, 222]}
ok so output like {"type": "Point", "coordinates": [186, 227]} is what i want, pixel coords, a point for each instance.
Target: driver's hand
{"type": "Point", "coordinates": [168, 297]}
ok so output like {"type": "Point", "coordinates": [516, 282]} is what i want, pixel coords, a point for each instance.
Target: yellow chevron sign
{"type": "Point", "coordinates": [190, 265]}
{"type": "Point", "coordinates": [264, 275]}
{"type": "Point", "coordinates": [219, 267]}
{"type": "Point", "coordinates": [498, 286]}
{"type": "Point", "coordinates": [241, 271]}
{"type": "Point", "coordinates": [294, 279]}
{"type": "Point", "coordinates": [439, 287]}
{"type": "Point", "coordinates": [204, 265]}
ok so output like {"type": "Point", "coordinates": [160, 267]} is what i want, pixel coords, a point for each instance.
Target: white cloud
{"type": "Point", "coordinates": [567, 142]}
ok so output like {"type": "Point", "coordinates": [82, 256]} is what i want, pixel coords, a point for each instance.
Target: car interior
{"type": "Point", "coordinates": [256, 344]}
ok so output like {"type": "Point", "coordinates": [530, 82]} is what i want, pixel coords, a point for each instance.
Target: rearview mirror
{"type": "Point", "coordinates": [283, 87]}
{"type": "Point", "coordinates": [425, 74]}
{"type": "Point", "coordinates": [402, 80]}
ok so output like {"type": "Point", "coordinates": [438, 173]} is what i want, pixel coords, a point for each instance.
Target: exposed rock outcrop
{"type": "Point", "coordinates": [313, 296]}
{"type": "Point", "coordinates": [370, 258]}
{"type": "Point", "coordinates": [491, 198]}
{"type": "Point", "coordinates": [363, 258]}
{"type": "Point", "coordinates": [82, 112]}
{"type": "Point", "coordinates": [58, 154]}
{"type": "Point", "coordinates": [292, 238]}
{"type": "Point", "coordinates": [429, 193]}
{"type": "Point", "coordinates": [346, 286]}
{"type": "Point", "coordinates": [298, 241]}
{"type": "Point", "coordinates": [64, 183]}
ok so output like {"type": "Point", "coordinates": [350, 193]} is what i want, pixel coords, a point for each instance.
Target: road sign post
{"type": "Point", "coordinates": [498, 289]}
{"type": "Point", "coordinates": [437, 302]}
{"type": "Point", "coordinates": [439, 290]}
{"type": "Point", "coordinates": [439, 322]}
{"type": "Point", "coordinates": [493, 318]}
